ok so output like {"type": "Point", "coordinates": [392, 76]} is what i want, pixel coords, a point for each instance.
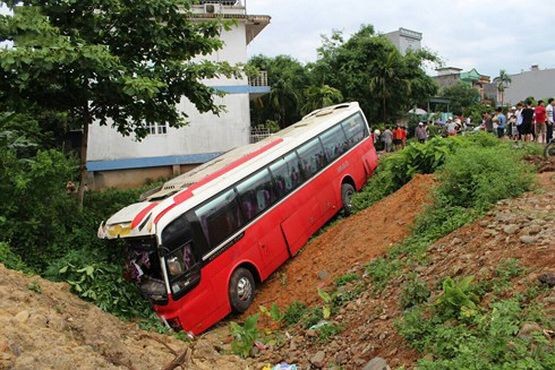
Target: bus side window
{"type": "Point", "coordinates": [220, 217]}
{"type": "Point", "coordinates": [333, 141]}
{"type": "Point", "coordinates": [286, 174]}
{"type": "Point", "coordinates": [355, 130]}
{"type": "Point", "coordinates": [312, 153]}
{"type": "Point", "coordinates": [256, 194]}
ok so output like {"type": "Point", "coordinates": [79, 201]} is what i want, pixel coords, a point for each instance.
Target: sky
{"type": "Point", "coordinates": [488, 35]}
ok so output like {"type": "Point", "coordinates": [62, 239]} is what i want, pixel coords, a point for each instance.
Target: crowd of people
{"type": "Point", "coordinates": [526, 121]}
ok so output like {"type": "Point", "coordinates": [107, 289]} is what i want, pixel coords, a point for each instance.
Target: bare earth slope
{"type": "Point", "coordinates": [355, 240]}
{"type": "Point", "coordinates": [54, 329]}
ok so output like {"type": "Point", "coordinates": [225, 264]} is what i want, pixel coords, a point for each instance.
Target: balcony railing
{"type": "Point", "coordinates": [259, 133]}
{"type": "Point", "coordinates": [260, 80]}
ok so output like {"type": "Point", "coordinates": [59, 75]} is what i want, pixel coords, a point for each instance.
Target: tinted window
{"type": "Point", "coordinates": [333, 141]}
{"type": "Point", "coordinates": [220, 217]}
{"type": "Point", "coordinates": [177, 233]}
{"type": "Point", "coordinates": [256, 194]}
{"type": "Point", "coordinates": [312, 157]}
{"type": "Point", "coordinates": [287, 174]}
{"type": "Point", "coordinates": [355, 129]}
{"type": "Point", "coordinates": [181, 253]}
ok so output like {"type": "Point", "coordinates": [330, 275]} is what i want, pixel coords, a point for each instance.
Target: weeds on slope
{"type": "Point", "coordinates": [454, 329]}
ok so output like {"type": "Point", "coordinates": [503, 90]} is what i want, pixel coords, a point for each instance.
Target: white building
{"type": "Point", "coordinates": [405, 39]}
{"type": "Point", "coordinates": [114, 160]}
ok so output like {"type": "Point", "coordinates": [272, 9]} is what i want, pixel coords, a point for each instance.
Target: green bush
{"type": "Point", "coordinates": [294, 313]}
{"type": "Point", "coordinates": [244, 336]}
{"type": "Point", "coordinates": [93, 278]}
{"type": "Point", "coordinates": [458, 298]}
{"type": "Point", "coordinates": [397, 169]}
{"type": "Point", "coordinates": [478, 177]}
{"type": "Point", "coordinates": [12, 260]}
{"type": "Point", "coordinates": [414, 292]}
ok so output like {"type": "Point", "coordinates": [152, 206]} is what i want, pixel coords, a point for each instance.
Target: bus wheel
{"type": "Point", "coordinates": [347, 191]}
{"type": "Point", "coordinates": [241, 290]}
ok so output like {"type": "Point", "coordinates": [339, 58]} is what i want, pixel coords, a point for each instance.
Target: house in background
{"type": "Point", "coordinates": [117, 161]}
{"type": "Point", "coordinates": [476, 80]}
{"type": "Point", "coordinates": [449, 76]}
{"type": "Point", "coordinates": [539, 83]}
{"type": "Point", "coordinates": [405, 39]}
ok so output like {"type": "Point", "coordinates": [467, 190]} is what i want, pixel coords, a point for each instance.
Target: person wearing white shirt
{"type": "Point", "coordinates": [550, 109]}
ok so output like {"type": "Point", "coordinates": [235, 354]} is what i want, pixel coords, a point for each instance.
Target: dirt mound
{"type": "Point", "coordinates": [521, 228]}
{"type": "Point", "coordinates": [44, 326]}
{"type": "Point", "coordinates": [353, 241]}
{"type": "Point", "coordinates": [541, 163]}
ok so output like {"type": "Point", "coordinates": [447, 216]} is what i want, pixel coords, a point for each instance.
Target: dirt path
{"type": "Point", "coordinates": [355, 240]}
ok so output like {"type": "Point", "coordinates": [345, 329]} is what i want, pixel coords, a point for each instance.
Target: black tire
{"type": "Point", "coordinates": [347, 191]}
{"type": "Point", "coordinates": [241, 290]}
{"type": "Point", "coordinates": [549, 150]}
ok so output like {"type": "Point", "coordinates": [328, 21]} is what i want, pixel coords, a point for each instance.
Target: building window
{"type": "Point", "coordinates": [154, 128]}
{"type": "Point", "coordinates": [162, 128]}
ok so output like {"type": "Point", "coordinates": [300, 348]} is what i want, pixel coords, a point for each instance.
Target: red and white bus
{"type": "Point", "coordinates": [198, 246]}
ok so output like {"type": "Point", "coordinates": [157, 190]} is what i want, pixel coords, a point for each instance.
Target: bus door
{"type": "Point", "coordinates": [296, 228]}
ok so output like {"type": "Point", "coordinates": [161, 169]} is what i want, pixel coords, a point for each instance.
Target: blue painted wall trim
{"type": "Point", "coordinates": [243, 89]}
{"type": "Point", "coordinates": [129, 163]}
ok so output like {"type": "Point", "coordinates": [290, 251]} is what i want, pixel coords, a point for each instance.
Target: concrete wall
{"type": "Point", "coordinates": [132, 178]}
{"type": "Point", "coordinates": [537, 83]}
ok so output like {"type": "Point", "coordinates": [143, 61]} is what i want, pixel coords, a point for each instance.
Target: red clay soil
{"type": "Point", "coordinates": [355, 240]}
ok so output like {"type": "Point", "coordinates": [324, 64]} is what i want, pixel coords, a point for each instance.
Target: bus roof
{"type": "Point", "coordinates": [174, 195]}
{"type": "Point", "coordinates": [229, 160]}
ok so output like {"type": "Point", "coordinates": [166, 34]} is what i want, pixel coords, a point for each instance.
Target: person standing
{"type": "Point", "coordinates": [501, 122]}
{"type": "Point", "coordinates": [398, 137]}
{"type": "Point", "coordinates": [387, 138]}
{"type": "Point", "coordinates": [550, 109]}
{"type": "Point", "coordinates": [488, 122]}
{"type": "Point", "coordinates": [527, 119]}
{"type": "Point", "coordinates": [518, 122]}
{"type": "Point", "coordinates": [540, 118]}
{"type": "Point", "coordinates": [421, 133]}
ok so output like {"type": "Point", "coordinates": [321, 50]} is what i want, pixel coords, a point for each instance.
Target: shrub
{"type": "Point", "coordinates": [458, 298]}
{"type": "Point", "coordinates": [244, 336]}
{"type": "Point", "coordinates": [380, 271]}
{"type": "Point", "coordinates": [12, 260]}
{"type": "Point", "coordinates": [294, 313]}
{"type": "Point", "coordinates": [414, 292]}
{"type": "Point", "coordinates": [346, 279]}
{"type": "Point", "coordinates": [479, 177]}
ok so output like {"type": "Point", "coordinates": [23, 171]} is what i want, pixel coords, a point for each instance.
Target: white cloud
{"type": "Point", "coordinates": [488, 35]}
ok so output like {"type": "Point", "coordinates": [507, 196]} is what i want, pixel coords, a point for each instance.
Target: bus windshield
{"type": "Point", "coordinates": [143, 268]}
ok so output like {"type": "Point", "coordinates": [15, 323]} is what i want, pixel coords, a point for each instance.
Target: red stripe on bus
{"type": "Point", "coordinates": [188, 193]}
{"type": "Point", "coordinates": [159, 216]}
{"type": "Point", "coordinates": [137, 220]}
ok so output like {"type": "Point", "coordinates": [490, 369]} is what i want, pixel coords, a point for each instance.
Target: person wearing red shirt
{"type": "Point", "coordinates": [399, 137]}
{"type": "Point", "coordinates": [540, 115]}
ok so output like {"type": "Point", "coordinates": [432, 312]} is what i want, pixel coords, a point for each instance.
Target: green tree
{"type": "Point", "coordinates": [502, 81]}
{"type": "Point", "coordinates": [367, 68]}
{"type": "Point", "coordinates": [287, 78]}
{"type": "Point", "coordinates": [120, 63]}
{"type": "Point", "coordinates": [320, 96]}
{"type": "Point", "coordinates": [461, 96]}
{"type": "Point", "coordinates": [386, 79]}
